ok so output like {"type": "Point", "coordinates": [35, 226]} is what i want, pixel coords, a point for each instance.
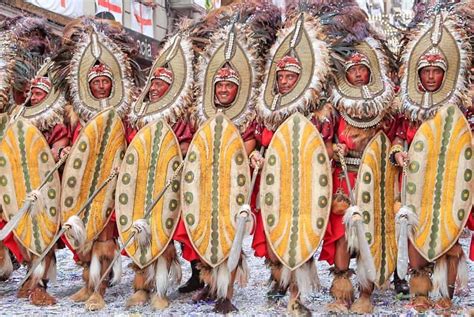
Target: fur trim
{"type": "Point", "coordinates": [376, 106]}
{"type": "Point", "coordinates": [412, 221]}
{"type": "Point", "coordinates": [51, 116]}
{"type": "Point", "coordinates": [304, 277]}
{"type": "Point", "coordinates": [38, 203]}
{"type": "Point", "coordinates": [342, 289]}
{"type": "Point", "coordinates": [71, 118]}
{"type": "Point", "coordinates": [38, 273]}
{"type": "Point", "coordinates": [308, 102]}
{"type": "Point", "coordinates": [178, 109]}
{"type": "Point", "coordinates": [77, 233]}
{"type": "Point", "coordinates": [94, 271]}
{"type": "Point", "coordinates": [440, 278]}
{"type": "Point", "coordinates": [351, 231]}
{"type": "Point", "coordinates": [84, 111]}
{"type": "Point", "coordinates": [218, 278]}
{"type": "Point", "coordinates": [416, 112]}
{"type": "Point", "coordinates": [161, 276]}
{"type": "Point", "coordinates": [420, 283]}
{"type": "Point", "coordinates": [143, 232]}
{"type": "Point", "coordinates": [117, 270]}
{"type": "Point", "coordinates": [248, 115]}
{"type": "Point", "coordinates": [7, 62]}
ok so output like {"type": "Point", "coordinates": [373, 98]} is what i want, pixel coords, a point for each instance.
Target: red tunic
{"type": "Point", "coordinates": [263, 137]}
{"type": "Point", "coordinates": [181, 235]}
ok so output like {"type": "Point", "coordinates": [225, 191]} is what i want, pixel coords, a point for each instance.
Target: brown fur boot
{"type": "Point", "coordinates": [342, 291]}
{"type": "Point", "coordinates": [24, 291]}
{"type": "Point", "coordinates": [363, 304]}
{"type": "Point", "coordinates": [85, 292]}
{"type": "Point", "coordinates": [295, 307]}
{"type": "Point", "coordinates": [420, 286]}
{"type": "Point", "coordinates": [40, 297]}
{"type": "Point", "coordinates": [141, 285]}
{"type": "Point", "coordinates": [103, 253]}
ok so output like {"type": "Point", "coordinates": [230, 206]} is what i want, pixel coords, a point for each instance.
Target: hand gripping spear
{"type": "Point", "coordinates": [29, 202]}
{"type": "Point", "coordinates": [137, 229]}
{"type": "Point", "coordinates": [66, 227]}
{"type": "Point", "coordinates": [242, 218]}
{"type": "Point", "coordinates": [405, 218]}
{"type": "Point", "coordinates": [365, 256]}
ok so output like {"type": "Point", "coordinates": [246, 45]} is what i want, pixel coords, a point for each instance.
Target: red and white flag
{"type": "Point", "coordinates": [69, 8]}
{"type": "Point", "coordinates": [113, 6]}
{"type": "Point", "coordinates": [142, 18]}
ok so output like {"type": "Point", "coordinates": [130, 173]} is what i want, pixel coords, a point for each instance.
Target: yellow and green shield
{"type": "Point", "coordinates": [99, 149]}
{"type": "Point", "coordinates": [214, 186]}
{"type": "Point", "coordinates": [150, 161]}
{"type": "Point", "coordinates": [295, 191]}
{"type": "Point", "coordinates": [25, 160]}
{"type": "Point", "coordinates": [375, 196]}
{"type": "Point", "coordinates": [439, 181]}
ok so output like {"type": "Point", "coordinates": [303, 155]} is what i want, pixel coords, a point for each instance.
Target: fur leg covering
{"type": "Point", "coordinates": [6, 265]}
{"type": "Point", "coordinates": [305, 277]}
{"type": "Point", "coordinates": [219, 278]}
{"type": "Point", "coordinates": [420, 287]}
{"type": "Point", "coordinates": [142, 284]}
{"type": "Point", "coordinates": [363, 305]}
{"type": "Point", "coordinates": [167, 272]}
{"type": "Point", "coordinates": [341, 290]}
{"type": "Point", "coordinates": [453, 261]}
{"type": "Point", "coordinates": [103, 253]}
{"type": "Point", "coordinates": [85, 292]}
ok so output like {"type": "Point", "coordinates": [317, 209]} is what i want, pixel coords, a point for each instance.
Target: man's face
{"type": "Point", "coordinates": [358, 75]}
{"type": "Point", "coordinates": [431, 78]}
{"type": "Point", "coordinates": [226, 92]}
{"type": "Point", "coordinates": [286, 81]}
{"type": "Point", "coordinates": [101, 87]}
{"type": "Point", "coordinates": [158, 89]}
{"type": "Point", "coordinates": [37, 95]}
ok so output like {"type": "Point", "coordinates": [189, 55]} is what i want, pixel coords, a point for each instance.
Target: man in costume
{"type": "Point", "coordinates": [44, 109]}
{"type": "Point", "coordinates": [293, 85]}
{"type": "Point", "coordinates": [438, 263]}
{"type": "Point", "coordinates": [165, 98]}
{"type": "Point", "coordinates": [99, 102]}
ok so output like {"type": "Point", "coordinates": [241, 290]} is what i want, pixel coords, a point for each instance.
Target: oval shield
{"type": "Point", "coordinates": [215, 184]}
{"type": "Point", "coordinates": [295, 200]}
{"type": "Point", "coordinates": [439, 181]}
{"type": "Point", "coordinates": [375, 196]}
{"type": "Point", "coordinates": [150, 161]}
{"type": "Point", "coordinates": [25, 160]}
{"type": "Point", "coordinates": [99, 149]}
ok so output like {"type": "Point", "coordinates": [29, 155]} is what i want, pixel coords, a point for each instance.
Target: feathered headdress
{"type": "Point", "coordinates": [50, 110]}
{"type": "Point", "coordinates": [441, 38]}
{"type": "Point", "coordinates": [174, 65]}
{"type": "Point", "coordinates": [299, 43]}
